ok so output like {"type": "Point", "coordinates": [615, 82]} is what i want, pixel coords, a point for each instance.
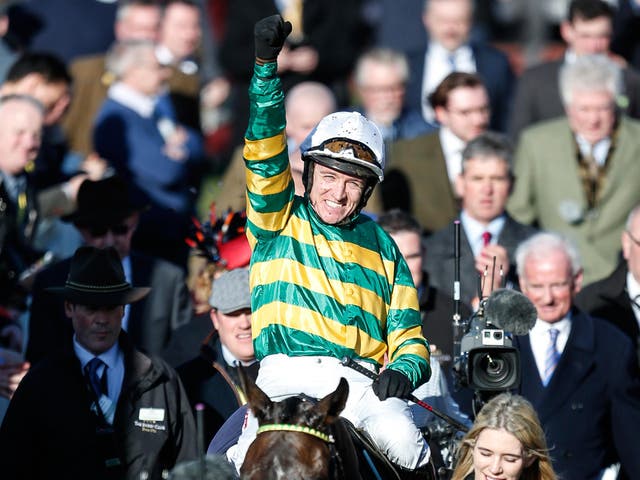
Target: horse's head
{"type": "Point", "coordinates": [294, 434]}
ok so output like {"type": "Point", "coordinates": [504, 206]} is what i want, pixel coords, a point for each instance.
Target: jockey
{"type": "Point", "coordinates": [326, 281]}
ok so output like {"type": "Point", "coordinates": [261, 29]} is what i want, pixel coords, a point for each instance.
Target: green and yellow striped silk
{"type": "Point", "coordinates": [319, 289]}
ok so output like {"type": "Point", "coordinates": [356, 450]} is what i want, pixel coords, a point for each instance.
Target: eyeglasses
{"type": "Point", "coordinates": [392, 88]}
{"type": "Point", "coordinates": [466, 112]}
{"type": "Point", "coordinates": [101, 231]}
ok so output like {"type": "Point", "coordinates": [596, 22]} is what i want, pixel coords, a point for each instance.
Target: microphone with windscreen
{"type": "Point", "coordinates": [488, 361]}
{"type": "Point", "coordinates": [511, 311]}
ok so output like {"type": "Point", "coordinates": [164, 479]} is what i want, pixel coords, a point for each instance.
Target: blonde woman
{"type": "Point", "coordinates": [505, 442]}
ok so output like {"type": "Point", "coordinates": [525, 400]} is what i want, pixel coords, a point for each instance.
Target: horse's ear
{"type": "Point", "coordinates": [259, 403]}
{"type": "Point", "coordinates": [331, 405]}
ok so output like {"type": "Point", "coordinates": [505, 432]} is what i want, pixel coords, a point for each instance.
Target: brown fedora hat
{"type": "Point", "coordinates": [96, 278]}
{"type": "Point", "coordinates": [103, 202]}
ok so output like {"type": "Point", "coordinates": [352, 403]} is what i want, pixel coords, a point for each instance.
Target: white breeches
{"type": "Point", "coordinates": [389, 423]}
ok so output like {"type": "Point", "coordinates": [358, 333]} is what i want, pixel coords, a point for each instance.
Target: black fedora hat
{"type": "Point", "coordinates": [103, 202]}
{"type": "Point", "coordinates": [96, 277]}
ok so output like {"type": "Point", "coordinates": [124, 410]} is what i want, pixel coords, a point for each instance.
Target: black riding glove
{"type": "Point", "coordinates": [270, 34]}
{"type": "Point", "coordinates": [391, 383]}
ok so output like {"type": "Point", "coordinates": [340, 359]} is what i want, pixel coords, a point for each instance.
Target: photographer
{"type": "Point", "coordinates": [579, 372]}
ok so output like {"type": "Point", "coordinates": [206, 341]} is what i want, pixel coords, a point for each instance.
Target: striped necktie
{"type": "Point", "coordinates": [100, 387]}
{"type": "Point", "coordinates": [552, 356]}
{"type": "Point", "coordinates": [98, 384]}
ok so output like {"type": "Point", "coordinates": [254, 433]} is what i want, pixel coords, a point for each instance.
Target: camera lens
{"type": "Point", "coordinates": [497, 335]}
{"type": "Point", "coordinates": [494, 370]}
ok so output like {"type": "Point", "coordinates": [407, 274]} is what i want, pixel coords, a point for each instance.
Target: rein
{"type": "Point", "coordinates": [285, 427]}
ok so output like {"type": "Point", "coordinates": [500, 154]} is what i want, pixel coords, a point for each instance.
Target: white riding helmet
{"type": "Point", "coordinates": [347, 142]}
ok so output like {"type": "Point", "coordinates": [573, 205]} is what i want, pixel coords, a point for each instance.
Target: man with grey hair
{"type": "Point", "coordinates": [380, 79]}
{"type": "Point", "coordinates": [576, 174]}
{"type": "Point", "coordinates": [305, 105]}
{"type": "Point", "coordinates": [579, 372]}
{"type": "Point", "coordinates": [587, 30]}
{"type": "Point", "coordinates": [21, 120]}
{"type": "Point", "coordinates": [137, 132]}
{"type": "Point", "coordinates": [616, 298]}
{"type": "Point", "coordinates": [135, 20]}
{"type": "Point", "coordinates": [487, 232]}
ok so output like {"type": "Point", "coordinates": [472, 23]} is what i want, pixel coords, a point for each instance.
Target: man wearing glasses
{"type": "Point", "coordinates": [105, 217]}
{"type": "Point", "coordinates": [422, 171]}
{"type": "Point", "coordinates": [579, 372]}
{"type": "Point", "coordinates": [577, 174]}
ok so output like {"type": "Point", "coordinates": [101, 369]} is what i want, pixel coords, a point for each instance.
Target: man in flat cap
{"type": "Point", "coordinates": [101, 409]}
{"type": "Point", "coordinates": [212, 377]}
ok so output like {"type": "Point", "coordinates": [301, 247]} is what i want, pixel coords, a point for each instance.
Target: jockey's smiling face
{"type": "Point", "coordinates": [334, 195]}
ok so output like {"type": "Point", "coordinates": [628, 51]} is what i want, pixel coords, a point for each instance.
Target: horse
{"type": "Point", "coordinates": [304, 438]}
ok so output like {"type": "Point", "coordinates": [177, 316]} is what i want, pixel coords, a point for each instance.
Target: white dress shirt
{"type": "Point", "coordinates": [122, 93]}
{"type": "Point", "coordinates": [438, 63]}
{"type": "Point", "coordinates": [113, 358]}
{"type": "Point", "coordinates": [599, 150]}
{"type": "Point", "coordinates": [452, 148]}
{"type": "Point", "coordinates": [539, 338]}
{"type": "Point", "coordinates": [473, 229]}
{"type": "Point", "coordinates": [633, 287]}
{"type": "Point", "coordinates": [232, 360]}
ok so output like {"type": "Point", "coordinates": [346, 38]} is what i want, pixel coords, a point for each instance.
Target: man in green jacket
{"type": "Point", "coordinates": [326, 281]}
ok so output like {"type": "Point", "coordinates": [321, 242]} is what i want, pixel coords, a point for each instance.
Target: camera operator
{"type": "Point", "coordinates": [579, 372]}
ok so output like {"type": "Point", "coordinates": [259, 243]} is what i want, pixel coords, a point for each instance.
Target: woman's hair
{"type": "Point", "coordinates": [515, 415]}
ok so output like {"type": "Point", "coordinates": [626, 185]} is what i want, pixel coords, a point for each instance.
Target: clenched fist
{"type": "Point", "coordinates": [270, 34]}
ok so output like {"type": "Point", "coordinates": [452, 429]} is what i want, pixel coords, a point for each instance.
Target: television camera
{"type": "Point", "coordinates": [485, 359]}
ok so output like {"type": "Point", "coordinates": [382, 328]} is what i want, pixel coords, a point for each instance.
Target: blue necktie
{"type": "Point", "coordinates": [452, 62]}
{"type": "Point", "coordinates": [552, 356]}
{"type": "Point", "coordinates": [99, 384]}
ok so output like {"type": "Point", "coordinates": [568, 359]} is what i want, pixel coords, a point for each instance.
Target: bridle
{"type": "Point", "coordinates": [336, 467]}
{"type": "Point", "coordinates": [287, 427]}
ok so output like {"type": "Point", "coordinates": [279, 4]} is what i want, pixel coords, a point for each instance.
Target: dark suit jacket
{"type": "Point", "coordinates": [491, 65]}
{"type": "Point", "coordinates": [208, 379]}
{"type": "Point", "coordinates": [591, 408]}
{"type": "Point", "coordinates": [608, 299]}
{"type": "Point", "coordinates": [537, 96]}
{"type": "Point", "coordinates": [437, 308]}
{"type": "Point", "coordinates": [152, 320]}
{"type": "Point", "coordinates": [440, 257]}
{"type": "Point", "coordinates": [416, 181]}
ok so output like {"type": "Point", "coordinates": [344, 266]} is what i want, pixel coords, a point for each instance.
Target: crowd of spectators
{"type": "Point", "coordinates": [117, 118]}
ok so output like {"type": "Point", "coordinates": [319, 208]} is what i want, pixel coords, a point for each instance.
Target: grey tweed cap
{"type": "Point", "coordinates": [230, 291]}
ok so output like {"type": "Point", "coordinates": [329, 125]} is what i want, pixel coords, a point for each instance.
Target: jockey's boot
{"type": "Point", "coordinates": [426, 472]}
